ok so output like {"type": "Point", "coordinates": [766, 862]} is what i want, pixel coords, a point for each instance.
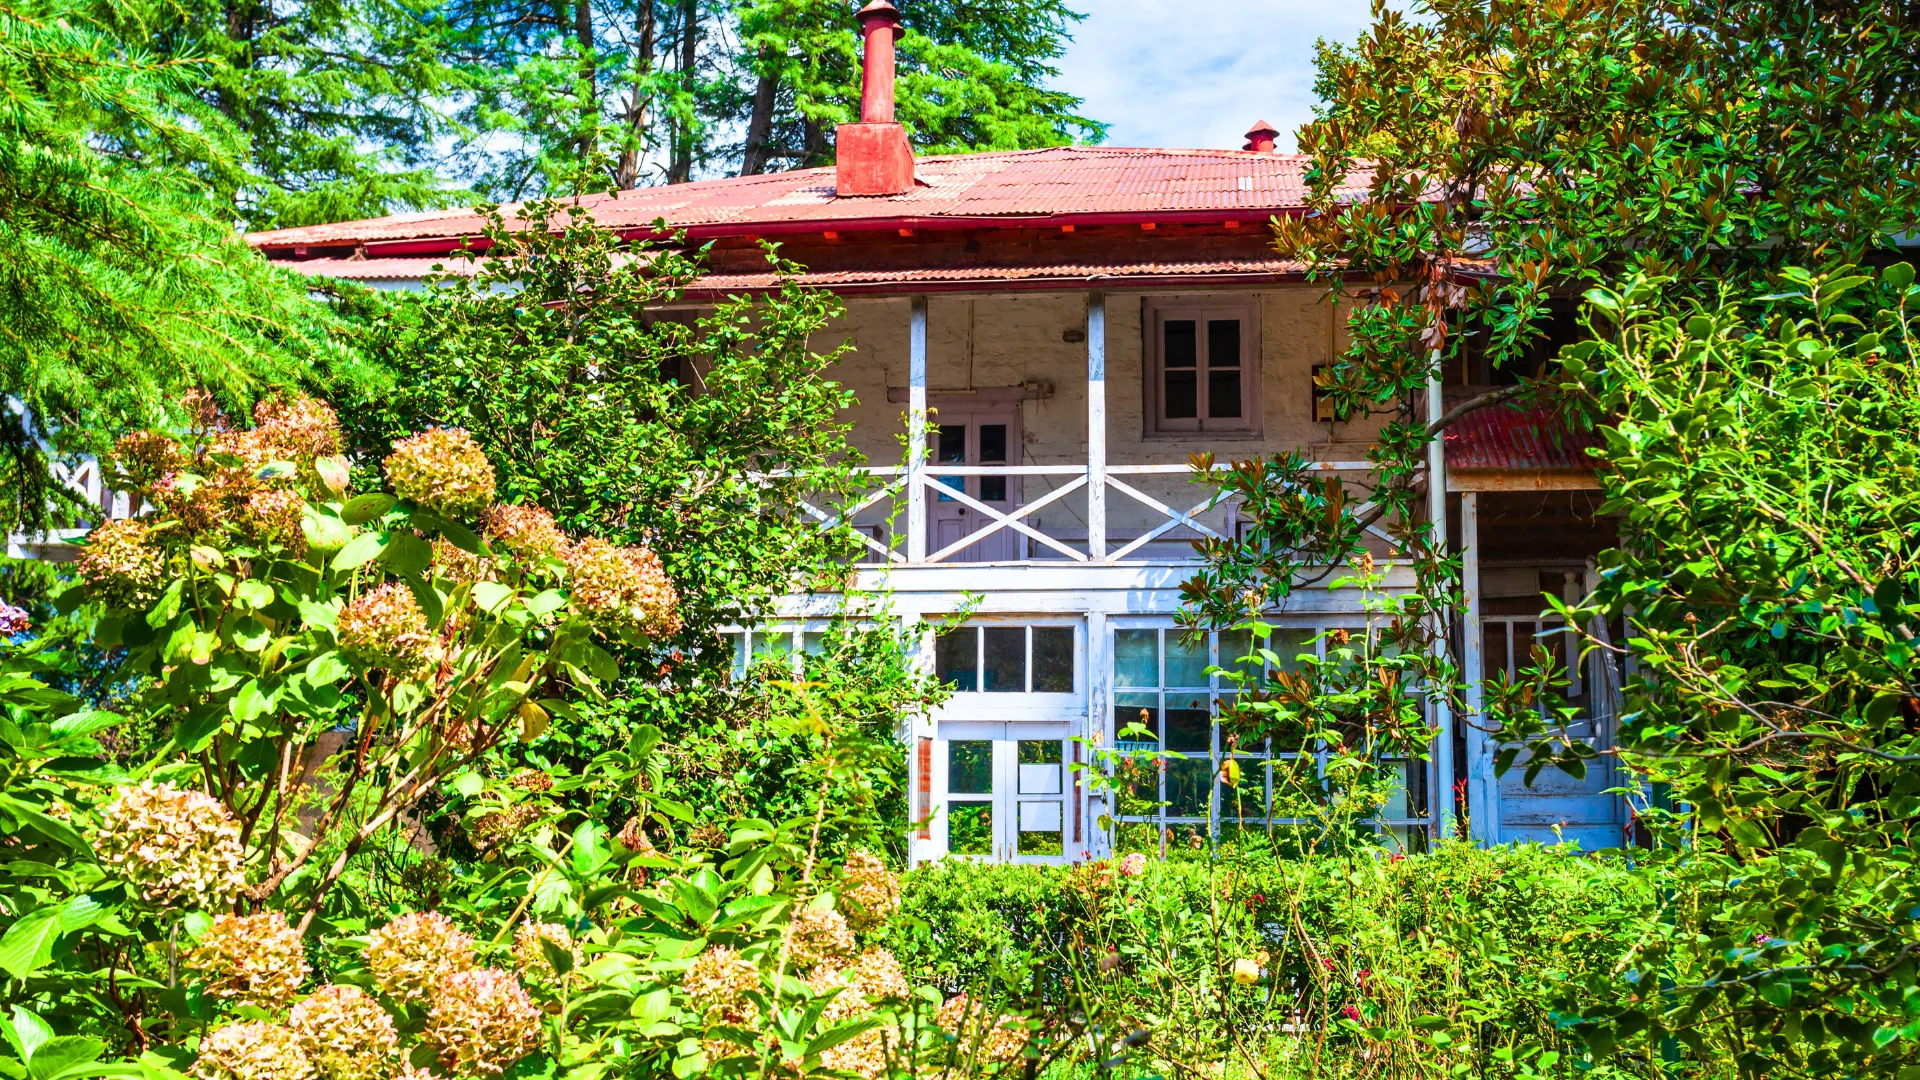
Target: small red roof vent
{"type": "Point", "coordinates": [1260, 137]}
{"type": "Point", "coordinates": [872, 157]}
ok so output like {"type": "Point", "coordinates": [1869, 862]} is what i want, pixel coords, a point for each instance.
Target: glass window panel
{"type": "Point", "coordinates": [950, 483]}
{"type": "Point", "coordinates": [1234, 647]}
{"type": "Point", "coordinates": [1182, 400]}
{"type": "Point", "coordinates": [1141, 709]}
{"type": "Point", "coordinates": [1189, 786]}
{"type": "Point", "coordinates": [1136, 658]}
{"type": "Point", "coordinates": [1041, 827]}
{"type": "Point", "coordinates": [1181, 344]}
{"type": "Point", "coordinates": [772, 643]}
{"type": "Point", "coordinates": [1246, 801]}
{"type": "Point", "coordinates": [1006, 659]}
{"type": "Point", "coordinates": [1041, 765]}
{"type": "Point", "coordinates": [815, 643]}
{"type": "Point", "coordinates": [970, 767]}
{"type": "Point", "coordinates": [1223, 395]}
{"type": "Point", "coordinates": [970, 828]}
{"type": "Point", "coordinates": [736, 643]}
{"type": "Point", "coordinates": [993, 444]}
{"type": "Point", "coordinates": [1287, 644]}
{"type": "Point", "coordinates": [1189, 723]}
{"type": "Point", "coordinates": [1053, 659]}
{"type": "Point", "coordinates": [953, 444]}
{"type": "Point", "coordinates": [993, 489]}
{"type": "Point", "coordinates": [1223, 343]}
{"type": "Point", "coordinates": [1396, 806]}
{"type": "Point", "coordinates": [956, 661]}
{"type": "Point", "coordinates": [1186, 662]}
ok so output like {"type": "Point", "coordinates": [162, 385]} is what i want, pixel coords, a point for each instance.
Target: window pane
{"type": "Point", "coordinates": [1182, 396]}
{"type": "Point", "coordinates": [1040, 767]}
{"type": "Point", "coordinates": [1223, 395]}
{"type": "Point", "coordinates": [814, 643]}
{"type": "Point", "coordinates": [1181, 347]}
{"type": "Point", "coordinates": [1136, 658]}
{"type": "Point", "coordinates": [1040, 827]}
{"type": "Point", "coordinates": [1186, 663]}
{"type": "Point", "coordinates": [1223, 343]}
{"type": "Point", "coordinates": [955, 661]}
{"type": "Point", "coordinates": [1141, 709]}
{"type": "Point", "coordinates": [1234, 646]}
{"type": "Point", "coordinates": [970, 767]}
{"type": "Point", "coordinates": [1288, 644]}
{"type": "Point", "coordinates": [1053, 659]}
{"type": "Point", "coordinates": [772, 643]}
{"type": "Point", "coordinates": [955, 483]}
{"type": "Point", "coordinates": [953, 444]}
{"type": "Point", "coordinates": [1189, 723]}
{"type": "Point", "coordinates": [970, 828]}
{"type": "Point", "coordinates": [1006, 659]}
{"type": "Point", "coordinates": [1189, 786]}
{"type": "Point", "coordinates": [993, 489]}
{"type": "Point", "coordinates": [1248, 799]}
{"type": "Point", "coordinates": [993, 443]}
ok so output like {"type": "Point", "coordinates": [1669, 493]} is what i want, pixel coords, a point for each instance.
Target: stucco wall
{"type": "Point", "coordinates": [1004, 340]}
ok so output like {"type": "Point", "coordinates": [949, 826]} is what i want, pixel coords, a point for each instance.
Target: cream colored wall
{"type": "Point", "coordinates": [1003, 340]}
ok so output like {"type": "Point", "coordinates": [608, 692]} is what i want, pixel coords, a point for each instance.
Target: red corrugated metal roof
{"type": "Point", "coordinates": [1085, 183]}
{"type": "Point", "coordinates": [1506, 438]}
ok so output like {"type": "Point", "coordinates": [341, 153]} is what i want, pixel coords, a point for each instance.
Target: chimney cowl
{"type": "Point", "coordinates": [1260, 137]}
{"type": "Point", "coordinates": [873, 157]}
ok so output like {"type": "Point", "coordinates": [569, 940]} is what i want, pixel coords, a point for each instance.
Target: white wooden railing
{"type": "Point", "coordinates": [1115, 533]}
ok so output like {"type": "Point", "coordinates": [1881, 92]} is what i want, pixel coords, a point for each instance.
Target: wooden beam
{"type": "Point", "coordinates": [1441, 795]}
{"type": "Point", "coordinates": [917, 432]}
{"type": "Point", "coordinates": [1483, 791]}
{"type": "Point", "coordinates": [1522, 480]}
{"type": "Point", "coordinates": [1097, 427]}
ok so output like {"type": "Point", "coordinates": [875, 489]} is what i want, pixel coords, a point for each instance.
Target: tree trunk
{"type": "Point", "coordinates": [766, 94]}
{"type": "Point", "coordinates": [681, 169]}
{"type": "Point", "coordinates": [589, 78]}
{"type": "Point", "coordinates": [626, 172]}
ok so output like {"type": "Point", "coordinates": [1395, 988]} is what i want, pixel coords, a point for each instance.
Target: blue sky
{"type": "Point", "coordinates": [1196, 73]}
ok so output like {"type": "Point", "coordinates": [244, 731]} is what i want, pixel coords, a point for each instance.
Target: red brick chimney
{"type": "Point", "coordinates": [872, 157]}
{"type": "Point", "coordinates": [1260, 137]}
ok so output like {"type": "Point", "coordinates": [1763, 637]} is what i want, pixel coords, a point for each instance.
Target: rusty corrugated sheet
{"type": "Point", "coordinates": [1049, 183]}
{"type": "Point", "coordinates": [1504, 438]}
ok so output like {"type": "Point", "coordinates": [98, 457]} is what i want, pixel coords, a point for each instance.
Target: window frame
{"type": "Point", "coordinates": [1155, 313]}
{"type": "Point", "coordinates": [1027, 694]}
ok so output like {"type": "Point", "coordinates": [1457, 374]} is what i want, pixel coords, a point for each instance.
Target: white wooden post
{"type": "Point", "coordinates": [1097, 427]}
{"type": "Point", "coordinates": [1483, 790]}
{"type": "Point", "coordinates": [1441, 797]}
{"type": "Point", "coordinates": [1097, 843]}
{"type": "Point", "coordinates": [917, 433]}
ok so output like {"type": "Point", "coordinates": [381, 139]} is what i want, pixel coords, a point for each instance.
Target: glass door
{"type": "Point", "coordinates": [1007, 799]}
{"type": "Point", "coordinates": [973, 439]}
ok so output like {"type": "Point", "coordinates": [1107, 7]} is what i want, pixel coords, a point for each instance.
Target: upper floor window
{"type": "Point", "coordinates": [1202, 366]}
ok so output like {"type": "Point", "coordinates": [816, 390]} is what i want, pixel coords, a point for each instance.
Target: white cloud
{"type": "Point", "coordinates": [1197, 73]}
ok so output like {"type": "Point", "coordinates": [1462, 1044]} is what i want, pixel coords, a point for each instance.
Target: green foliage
{"type": "Point", "coordinates": [699, 434]}
{"type": "Point", "coordinates": [122, 284]}
{"type": "Point", "coordinates": [1390, 966]}
{"type": "Point", "coordinates": [1762, 459]}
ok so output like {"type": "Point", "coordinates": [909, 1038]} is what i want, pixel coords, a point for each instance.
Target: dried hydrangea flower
{"type": "Point", "coordinates": [623, 585]}
{"type": "Point", "coordinates": [878, 976]}
{"type": "Point", "coordinates": [178, 846]}
{"type": "Point", "coordinates": [444, 470]}
{"type": "Point", "coordinates": [297, 429]}
{"type": "Point", "coordinates": [384, 627]}
{"type": "Point", "coordinates": [412, 955]}
{"type": "Point", "coordinates": [532, 780]}
{"type": "Point", "coordinates": [874, 891]}
{"type": "Point", "coordinates": [526, 531]}
{"type": "Point", "coordinates": [1133, 865]}
{"type": "Point", "coordinates": [346, 1034]}
{"type": "Point", "coordinates": [14, 620]}
{"type": "Point", "coordinates": [273, 516]}
{"type": "Point", "coordinates": [482, 1022]}
{"type": "Point", "coordinates": [718, 984]}
{"type": "Point", "coordinates": [818, 936]}
{"type": "Point", "coordinates": [491, 830]}
{"type": "Point", "coordinates": [142, 459]}
{"type": "Point", "coordinates": [250, 959]}
{"type": "Point", "coordinates": [864, 1054]}
{"type": "Point", "coordinates": [458, 565]}
{"type": "Point", "coordinates": [120, 565]}
{"type": "Point", "coordinates": [532, 957]}
{"type": "Point", "coordinates": [1002, 1039]}
{"type": "Point", "coordinates": [252, 1050]}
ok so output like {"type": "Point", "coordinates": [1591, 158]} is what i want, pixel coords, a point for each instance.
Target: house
{"type": "Point", "coordinates": [1056, 331]}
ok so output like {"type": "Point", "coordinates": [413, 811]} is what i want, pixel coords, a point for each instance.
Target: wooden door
{"type": "Point", "coordinates": [986, 436]}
